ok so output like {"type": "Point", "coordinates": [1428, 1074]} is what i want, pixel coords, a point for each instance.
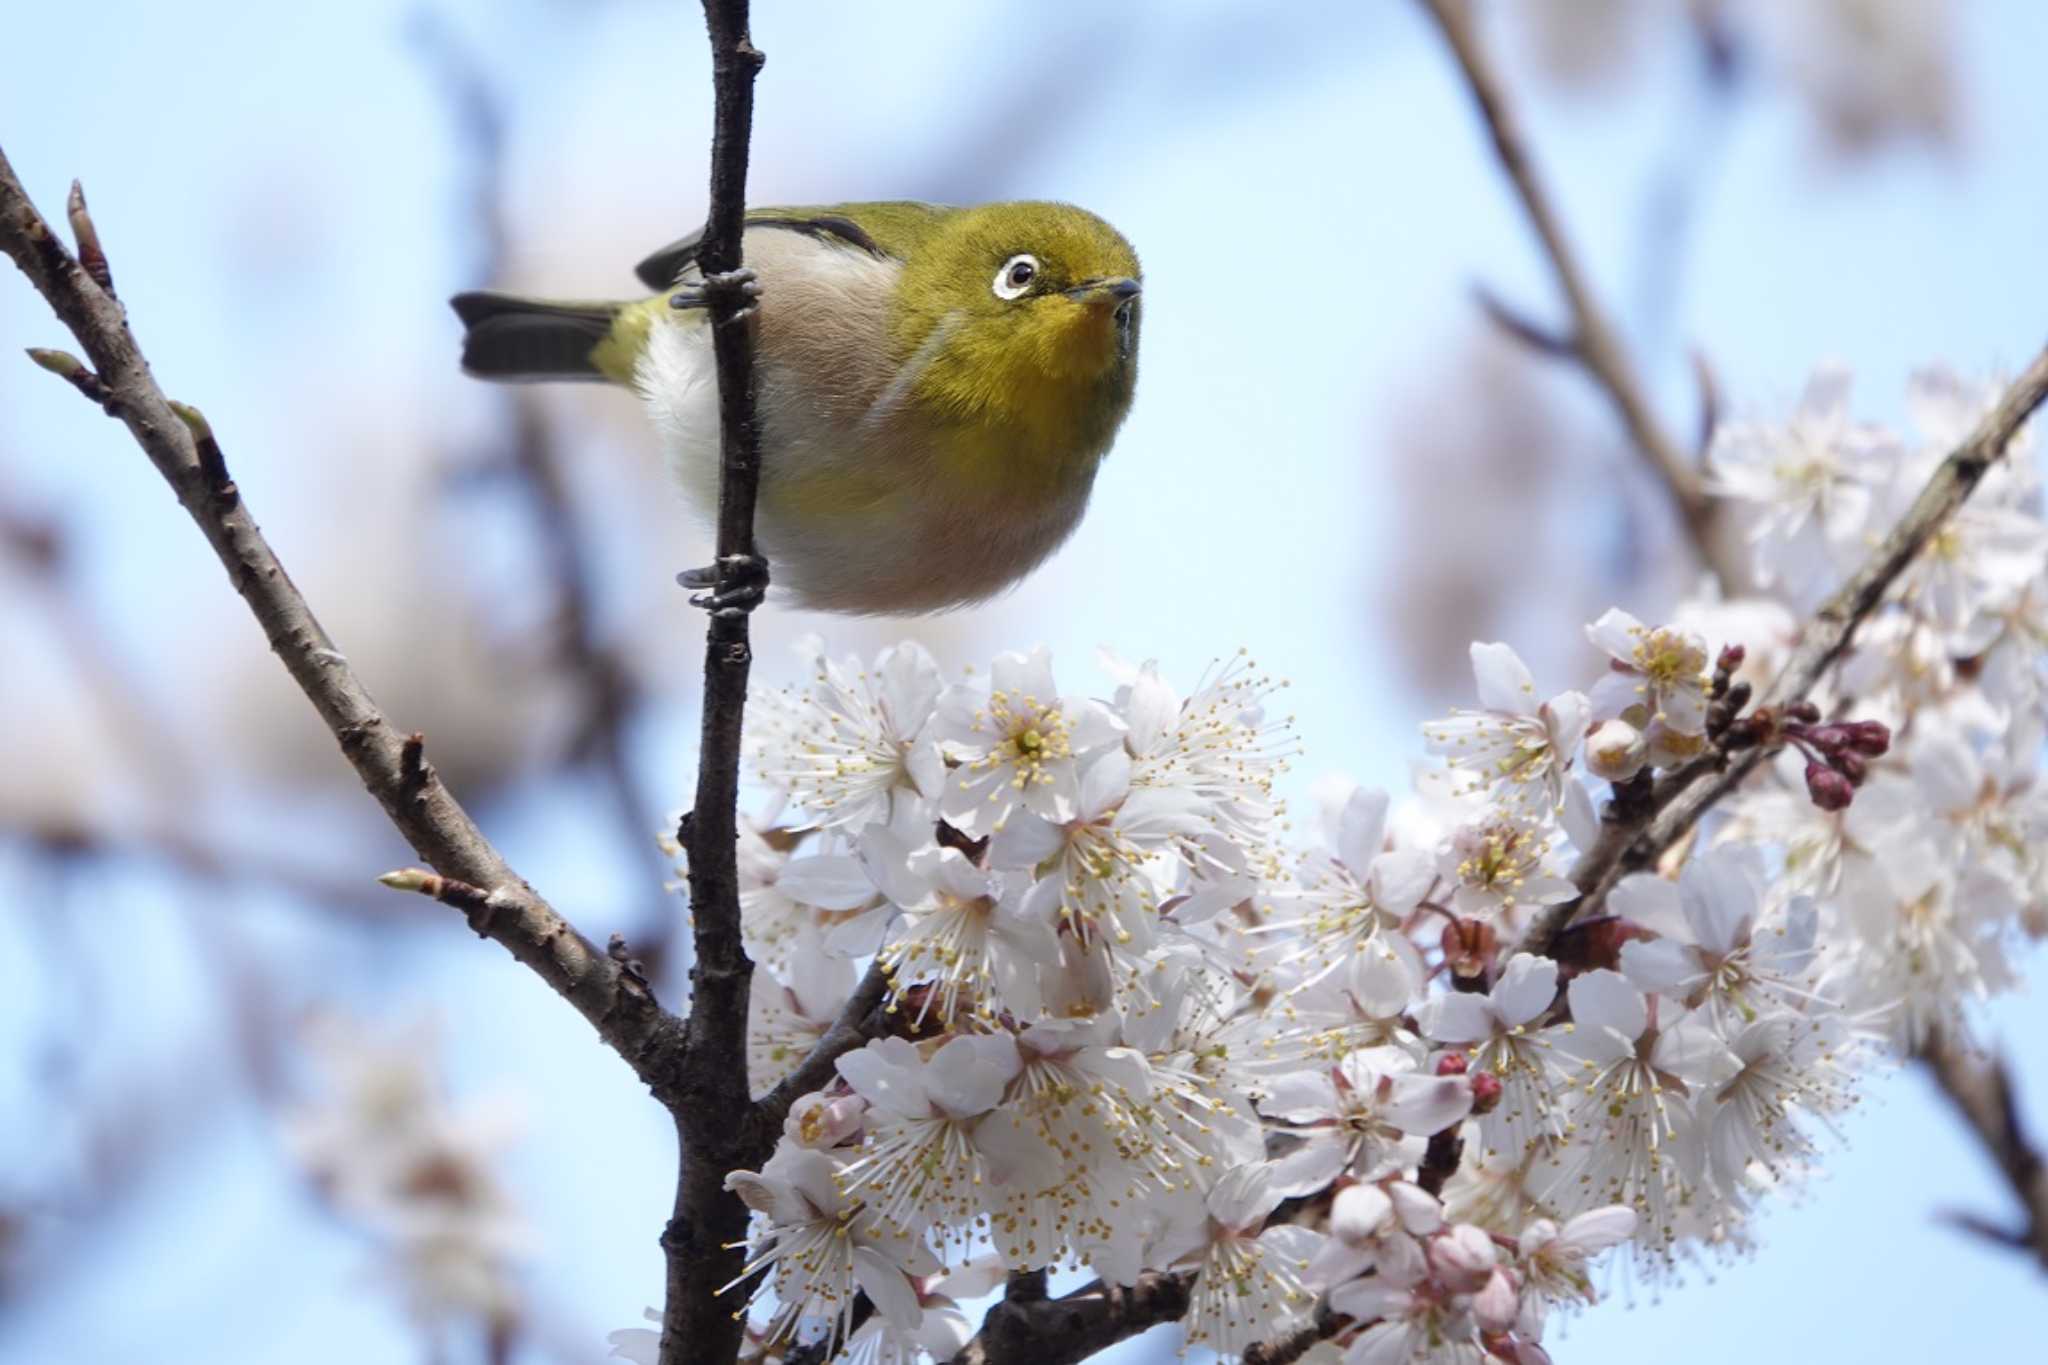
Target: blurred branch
{"type": "Point", "coordinates": [181, 445]}
{"type": "Point", "coordinates": [608, 695]}
{"type": "Point", "coordinates": [41, 546]}
{"type": "Point", "coordinates": [716, 1123]}
{"type": "Point", "coordinates": [1592, 342]}
{"type": "Point", "coordinates": [1980, 1089]}
{"type": "Point", "coordinates": [1682, 796]}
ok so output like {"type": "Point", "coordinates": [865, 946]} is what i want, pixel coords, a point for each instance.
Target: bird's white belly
{"type": "Point", "coordinates": [898, 541]}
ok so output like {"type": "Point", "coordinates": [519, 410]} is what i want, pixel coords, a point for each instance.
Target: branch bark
{"type": "Point", "coordinates": [715, 1123]}
{"type": "Point", "coordinates": [860, 1019]}
{"type": "Point", "coordinates": [1592, 341]}
{"type": "Point", "coordinates": [1062, 1331]}
{"type": "Point", "coordinates": [1684, 795]}
{"type": "Point", "coordinates": [1980, 1089]}
{"type": "Point", "coordinates": [182, 447]}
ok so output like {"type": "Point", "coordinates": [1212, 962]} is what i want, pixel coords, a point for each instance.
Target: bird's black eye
{"type": "Point", "coordinates": [1016, 276]}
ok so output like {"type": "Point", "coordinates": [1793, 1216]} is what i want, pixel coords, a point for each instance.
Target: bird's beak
{"type": "Point", "coordinates": [1107, 292]}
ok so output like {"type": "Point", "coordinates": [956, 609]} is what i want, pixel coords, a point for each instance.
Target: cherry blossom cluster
{"type": "Point", "coordinates": [391, 1153]}
{"type": "Point", "coordinates": [1923, 885]}
{"type": "Point", "coordinates": [1131, 1031]}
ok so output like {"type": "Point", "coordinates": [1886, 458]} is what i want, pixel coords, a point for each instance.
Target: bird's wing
{"type": "Point", "coordinates": [890, 230]}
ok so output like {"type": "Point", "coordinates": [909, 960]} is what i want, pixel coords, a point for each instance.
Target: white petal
{"type": "Point", "coordinates": [967, 1076]}
{"type": "Point", "coordinates": [960, 877]}
{"type": "Point", "coordinates": [1244, 1195]}
{"type": "Point", "coordinates": [1104, 782]}
{"type": "Point", "coordinates": [1456, 1017]}
{"type": "Point", "coordinates": [1401, 877]}
{"type": "Point", "coordinates": [1358, 1212]}
{"type": "Point", "coordinates": [1091, 726]}
{"type": "Point", "coordinates": [1526, 988]}
{"type": "Point", "coordinates": [1418, 1209]}
{"type": "Point", "coordinates": [1361, 829]}
{"type": "Point", "coordinates": [1311, 1166]}
{"type": "Point", "coordinates": [1647, 899]}
{"type": "Point", "coordinates": [887, 860]}
{"type": "Point", "coordinates": [1025, 841]}
{"type": "Point", "coordinates": [1566, 716]}
{"type": "Point", "coordinates": [1505, 684]}
{"type": "Point", "coordinates": [1423, 1105]}
{"type": "Point", "coordinates": [888, 1073]}
{"type": "Point", "coordinates": [1581, 823]}
{"type": "Point", "coordinates": [1603, 1000]}
{"type": "Point", "coordinates": [1300, 1096]}
{"type": "Point", "coordinates": [1663, 965]}
{"type": "Point", "coordinates": [895, 1298]}
{"type": "Point", "coordinates": [831, 881]}
{"type": "Point", "coordinates": [1719, 893]}
{"type": "Point", "coordinates": [1615, 634]}
{"type": "Point", "coordinates": [1598, 1229]}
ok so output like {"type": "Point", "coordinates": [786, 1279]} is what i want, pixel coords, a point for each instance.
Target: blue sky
{"type": "Point", "coordinates": [1311, 199]}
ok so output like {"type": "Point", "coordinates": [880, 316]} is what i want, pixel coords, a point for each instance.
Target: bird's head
{"type": "Point", "coordinates": [1024, 313]}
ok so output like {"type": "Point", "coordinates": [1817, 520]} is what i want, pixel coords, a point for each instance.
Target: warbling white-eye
{"type": "Point", "coordinates": [935, 386]}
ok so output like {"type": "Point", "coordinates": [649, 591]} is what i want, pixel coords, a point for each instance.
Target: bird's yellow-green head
{"type": "Point", "coordinates": [1024, 314]}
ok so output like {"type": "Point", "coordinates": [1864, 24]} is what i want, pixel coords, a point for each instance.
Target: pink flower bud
{"type": "Point", "coordinates": [1730, 658]}
{"type": "Point", "coordinates": [1451, 1064]}
{"type": "Point", "coordinates": [1498, 1304]}
{"type": "Point", "coordinates": [1462, 1257]}
{"type": "Point", "coordinates": [1828, 788]}
{"type": "Point", "coordinates": [1485, 1092]}
{"type": "Point", "coordinates": [1852, 765]}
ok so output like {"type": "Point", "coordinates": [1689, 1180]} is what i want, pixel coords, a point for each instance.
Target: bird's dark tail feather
{"type": "Point", "coordinates": [510, 338]}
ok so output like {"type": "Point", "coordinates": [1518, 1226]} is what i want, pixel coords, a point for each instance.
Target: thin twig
{"type": "Point", "coordinates": [1592, 341]}
{"type": "Point", "coordinates": [426, 813]}
{"type": "Point", "coordinates": [1980, 1088]}
{"type": "Point", "coordinates": [1682, 796]}
{"type": "Point", "coordinates": [714, 1124]}
{"type": "Point", "coordinates": [860, 1019]}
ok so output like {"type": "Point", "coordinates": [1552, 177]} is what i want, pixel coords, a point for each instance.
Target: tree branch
{"type": "Point", "coordinates": [1592, 342]}
{"type": "Point", "coordinates": [182, 447]}
{"type": "Point", "coordinates": [861, 1019]}
{"type": "Point", "coordinates": [1682, 796]}
{"type": "Point", "coordinates": [1981, 1091]}
{"type": "Point", "coordinates": [714, 1123]}
{"type": "Point", "coordinates": [1038, 1331]}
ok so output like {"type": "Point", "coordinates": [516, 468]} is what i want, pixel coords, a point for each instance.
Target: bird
{"type": "Point", "coordinates": [936, 386]}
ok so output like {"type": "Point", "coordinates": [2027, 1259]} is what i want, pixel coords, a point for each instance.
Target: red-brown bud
{"type": "Point", "coordinates": [1485, 1092]}
{"type": "Point", "coordinates": [1730, 658]}
{"type": "Point", "coordinates": [1828, 788]}
{"type": "Point", "coordinates": [1469, 946]}
{"type": "Point", "coordinates": [1872, 738]}
{"type": "Point", "coordinates": [1451, 1064]}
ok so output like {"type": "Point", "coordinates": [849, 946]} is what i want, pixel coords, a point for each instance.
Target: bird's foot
{"type": "Point", "coordinates": [742, 285]}
{"type": "Point", "coordinates": [737, 584]}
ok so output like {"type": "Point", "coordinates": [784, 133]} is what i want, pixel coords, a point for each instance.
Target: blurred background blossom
{"type": "Point", "coordinates": [1334, 461]}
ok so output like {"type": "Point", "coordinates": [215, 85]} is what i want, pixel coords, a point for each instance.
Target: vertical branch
{"type": "Point", "coordinates": [712, 1119]}
{"type": "Point", "coordinates": [1592, 341]}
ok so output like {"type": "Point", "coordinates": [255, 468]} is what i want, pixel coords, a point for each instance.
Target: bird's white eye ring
{"type": "Point", "coordinates": [1016, 276]}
